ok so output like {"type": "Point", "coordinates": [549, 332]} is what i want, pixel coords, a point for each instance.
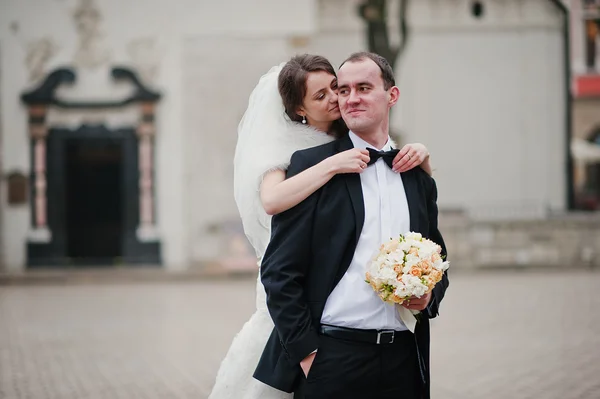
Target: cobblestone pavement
{"type": "Point", "coordinates": [513, 335]}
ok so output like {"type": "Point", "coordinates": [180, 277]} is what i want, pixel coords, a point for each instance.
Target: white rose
{"type": "Point", "coordinates": [419, 290]}
{"type": "Point", "coordinates": [402, 291]}
{"type": "Point", "coordinates": [412, 259]}
{"type": "Point", "coordinates": [388, 274]}
{"type": "Point", "coordinates": [414, 236]}
{"type": "Point", "coordinates": [404, 246]}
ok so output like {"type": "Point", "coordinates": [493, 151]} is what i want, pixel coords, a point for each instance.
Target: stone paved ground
{"type": "Point", "coordinates": [514, 335]}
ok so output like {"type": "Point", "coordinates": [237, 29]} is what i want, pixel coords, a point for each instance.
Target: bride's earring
{"type": "Point", "coordinates": [304, 120]}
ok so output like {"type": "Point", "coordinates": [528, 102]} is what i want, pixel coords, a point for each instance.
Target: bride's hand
{"type": "Point", "coordinates": [349, 161]}
{"type": "Point", "coordinates": [410, 156]}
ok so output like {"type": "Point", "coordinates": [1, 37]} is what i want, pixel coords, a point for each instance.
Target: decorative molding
{"type": "Point", "coordinates": [45, 93]}
{"type": "Point", "coordinates": [90, 52]}
{"type": "Point", "coordinates": [95, 130]}
{"type": "Point", "coordinates": [113, 118]}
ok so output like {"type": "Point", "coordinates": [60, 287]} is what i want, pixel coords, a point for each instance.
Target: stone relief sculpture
{"type": "Point", "coordinates": [90, 52]}
{"type": "Point", "coordinates": [39, 52]}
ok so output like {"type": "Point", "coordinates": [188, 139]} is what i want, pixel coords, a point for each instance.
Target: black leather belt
{"type": "Point", "coordinates": [377, 337]}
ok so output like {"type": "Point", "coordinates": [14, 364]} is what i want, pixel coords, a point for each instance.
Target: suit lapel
{"type": "Point", "coordinates": [409, 180]}
{"type": "Point", "coordinates": [354, 189]}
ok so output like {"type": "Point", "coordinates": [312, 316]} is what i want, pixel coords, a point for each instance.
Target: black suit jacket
{"type": "Point", "coordinates": [310, 250]}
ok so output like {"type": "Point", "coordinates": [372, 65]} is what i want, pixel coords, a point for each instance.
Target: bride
{"type": "Point", "coordinates": [293, 107]}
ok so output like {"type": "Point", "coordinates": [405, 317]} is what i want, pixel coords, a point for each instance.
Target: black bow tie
{"type": "Point", "coordinates": [388, 156]}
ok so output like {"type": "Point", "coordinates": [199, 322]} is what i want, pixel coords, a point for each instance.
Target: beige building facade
{"type": "Point", "coordinates": [485, 91]}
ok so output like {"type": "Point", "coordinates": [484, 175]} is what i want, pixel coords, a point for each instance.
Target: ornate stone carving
{"type": "Point", "coordinates": [90, 52]}
{"type": "Point", "coordinates": [45, 93]}
{"type": "Point", "coordinates": [39, 52]}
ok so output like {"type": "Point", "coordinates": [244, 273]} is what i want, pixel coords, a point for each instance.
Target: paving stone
{"type": "Point", "coordinates": [518, 335]}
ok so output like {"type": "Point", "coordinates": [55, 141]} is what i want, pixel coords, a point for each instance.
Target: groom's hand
{"type": "Point", "coordinates": [414, 303]}
{"type": "Point", "coordinates": [306, 364]}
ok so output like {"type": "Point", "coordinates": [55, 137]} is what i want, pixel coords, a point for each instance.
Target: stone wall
{"type": "Point", "coordinates": [569, 241]}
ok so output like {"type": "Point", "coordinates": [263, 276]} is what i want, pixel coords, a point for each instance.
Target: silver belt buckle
{"type": "Point", "coordinates": [380, 333]}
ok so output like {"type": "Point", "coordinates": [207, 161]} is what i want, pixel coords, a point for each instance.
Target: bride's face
{"type": "Point", "coordinates": [320, 105]}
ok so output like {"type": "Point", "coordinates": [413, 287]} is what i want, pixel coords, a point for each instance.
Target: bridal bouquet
{"type": "Point", "coordinates": [406, 266]}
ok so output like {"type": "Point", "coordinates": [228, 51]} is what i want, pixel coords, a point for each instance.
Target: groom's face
{"type": "Point", "coordinates": [364, 102]}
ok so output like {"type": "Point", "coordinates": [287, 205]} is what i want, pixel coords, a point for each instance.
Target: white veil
{"type": "Point", "coordinates": [267, 138]}
{"type": "Point", "coordinates": [264, 117]}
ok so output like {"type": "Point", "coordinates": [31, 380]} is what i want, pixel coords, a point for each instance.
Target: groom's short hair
{"type": "Point", "coordinates": [387, 73]}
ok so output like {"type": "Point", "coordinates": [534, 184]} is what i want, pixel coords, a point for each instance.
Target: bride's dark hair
{"type": "Point", "coordinates": [292, 86]}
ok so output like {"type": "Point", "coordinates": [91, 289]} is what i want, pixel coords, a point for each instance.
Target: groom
{"type": "Point", "coordinates": [333, 337]}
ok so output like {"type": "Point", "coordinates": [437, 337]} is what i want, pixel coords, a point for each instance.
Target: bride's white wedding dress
{"type": "Point", "coordinates": [234, 380]}
{"type": "Point", "coordinates": [266, 141]}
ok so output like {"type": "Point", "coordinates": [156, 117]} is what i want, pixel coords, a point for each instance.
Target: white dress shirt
{"type": "Point", "coordinates": [353, 303]}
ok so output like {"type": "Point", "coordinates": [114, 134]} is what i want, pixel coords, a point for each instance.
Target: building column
{"type": "Point", "coordinates": [38, 132]}
{"type": "Point", "coordinates": [147, 230]}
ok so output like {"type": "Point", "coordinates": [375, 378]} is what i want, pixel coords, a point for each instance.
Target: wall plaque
{"type": "Point", "coordinates": [17, 188]}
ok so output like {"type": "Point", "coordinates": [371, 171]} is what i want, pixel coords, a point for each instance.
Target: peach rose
{"type": "Point", "coordinates": [427, 267]}
{"type": "Point", "coordinates": [436, 275]}
{"type": "Point", "coordinates": [415, 271]}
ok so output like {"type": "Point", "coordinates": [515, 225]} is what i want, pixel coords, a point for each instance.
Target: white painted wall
{"type": "Point", "coordinates": [487, 98]}
{"type": "Point", "coordinates": [216, 98]}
